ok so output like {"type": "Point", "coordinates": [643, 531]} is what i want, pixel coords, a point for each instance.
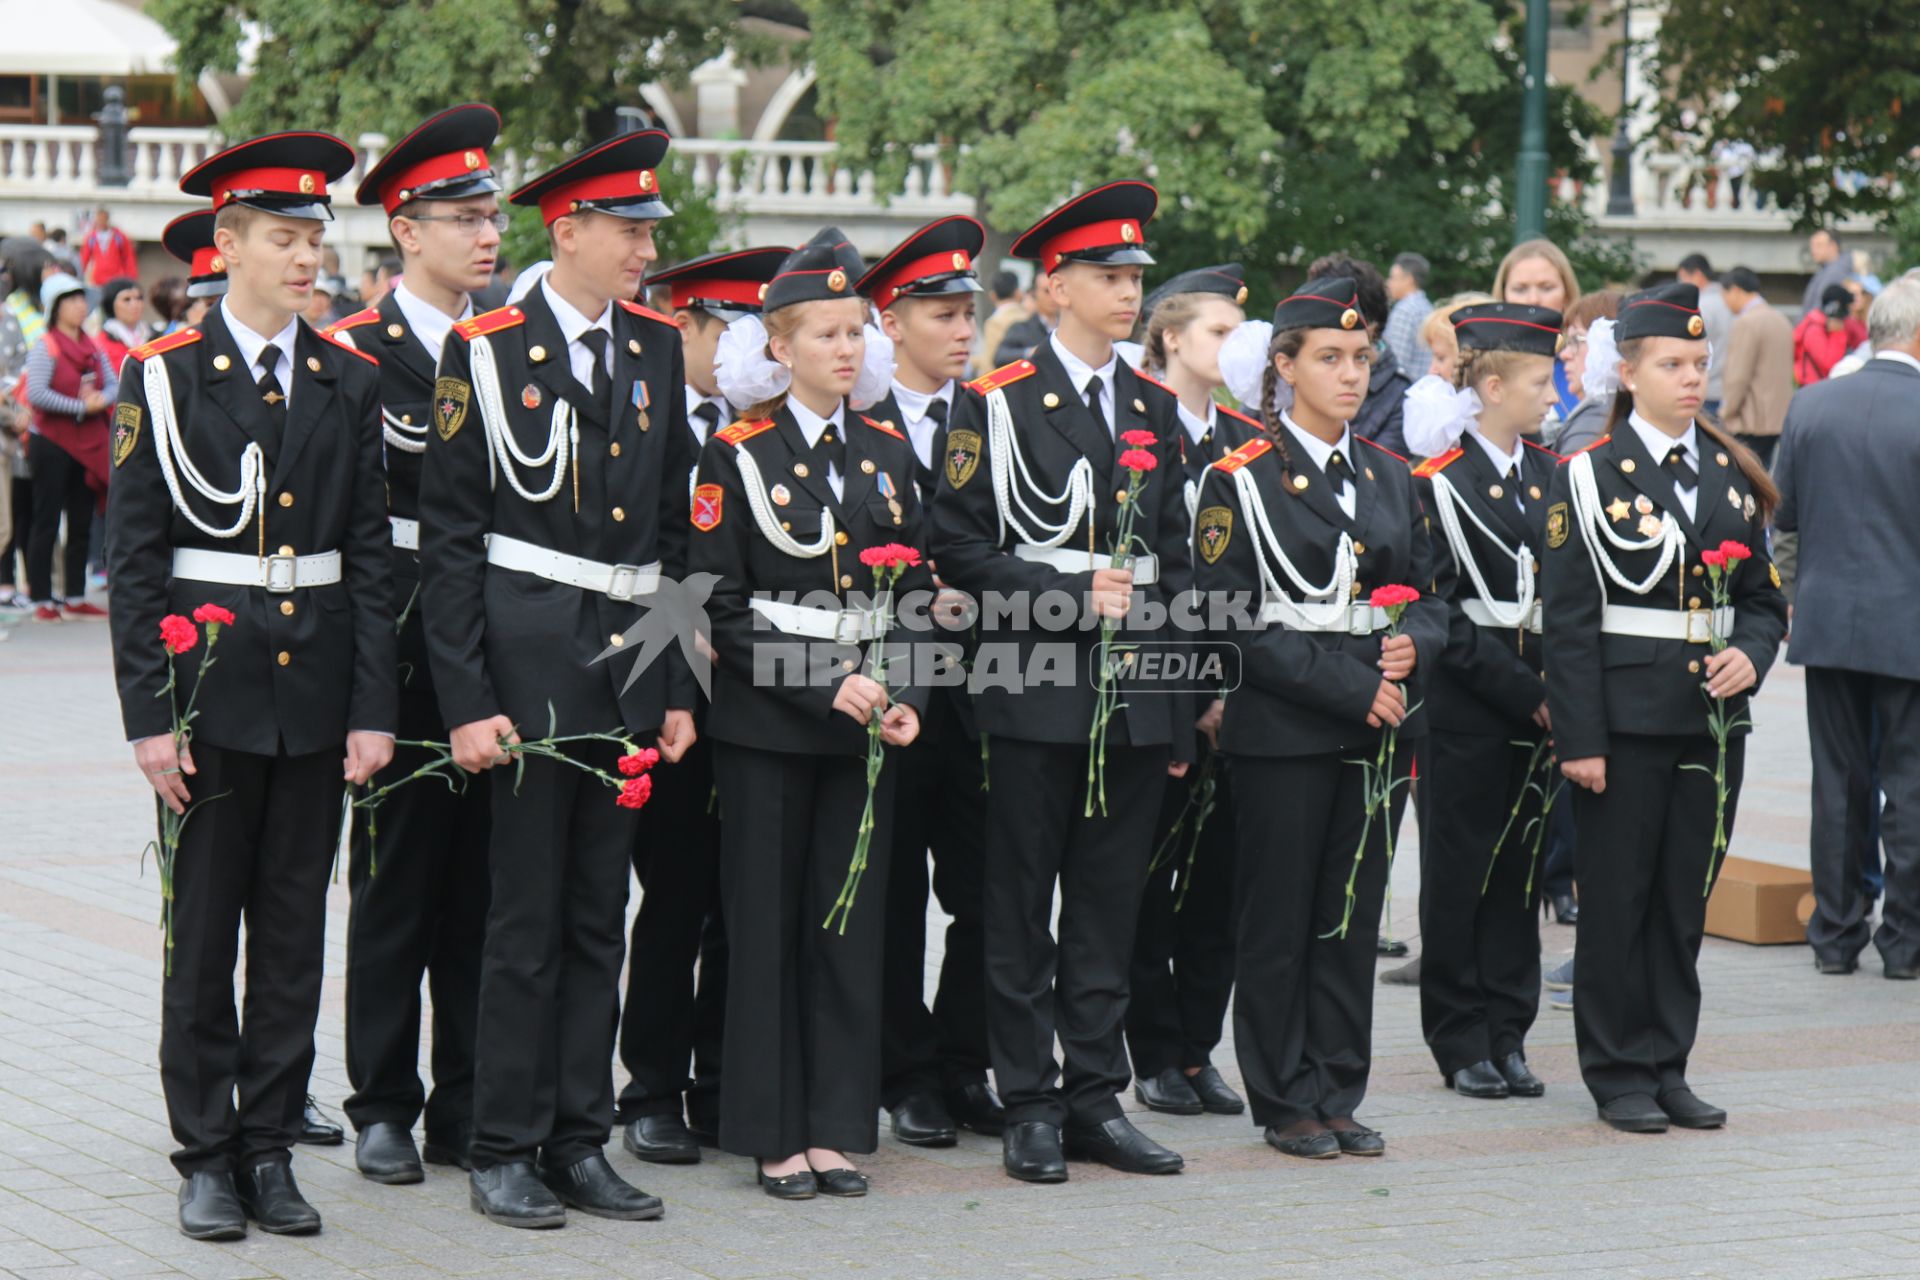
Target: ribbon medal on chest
{"type": "Point", "coordinates": [641, 400]}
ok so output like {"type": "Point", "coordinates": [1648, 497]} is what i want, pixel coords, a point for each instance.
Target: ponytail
{"type": "Point", "coordinates": [1766, 494]}
{"type": "Point", "coordinates": [1285, 342]}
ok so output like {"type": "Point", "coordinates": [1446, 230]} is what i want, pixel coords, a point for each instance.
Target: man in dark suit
{"type": "Point", "coordinates": [1847, 457]}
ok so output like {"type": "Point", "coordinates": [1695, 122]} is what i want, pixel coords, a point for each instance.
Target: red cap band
{"type": "Point", "coordinates": [454, 164]}
{"type": "Point", "coordinates": [208, 262]}
{"type": "Point", "coordinates": [896, 281]}
{"type": "Point", "coordinates": [633, 184]}
{"type": "Point", "coordinates": [1094, 235]}
{"type": "Point", "coordinates": [691, 293]}
{"type": "Point", "coordinates": [278, 182]}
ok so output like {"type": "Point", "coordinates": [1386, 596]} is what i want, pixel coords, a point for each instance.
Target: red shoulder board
{"type": "Point", "coordinates": [1382, 448]}
{"type": "Point", "coordinates": [1005, 375]}
{"type": "Point", "coordinates": [648, 312]}
{"type": "Point", "coordinates": [1439, 462]}
{"type": "Point", "coordinates": [1235, 413]}
{"type": "Point", "coordinates": [743, 431]}
{"type": "Point", "coordinates": [887, 427]}
{"type": "Point", "coordinates": [353, 321]}
{"type": "Point", "coordinates": [160, 346]}
{"type": "Point", "coordinates": [490, 322]}
{"type": "Point", "coordinates": [1147, 377]}
{"type": "Point", "coordinates": [333, 341]}
{"type": "Point", "coordinates": [1589, 449]}
{"type": "Point", "coordinates": [1243, 455]}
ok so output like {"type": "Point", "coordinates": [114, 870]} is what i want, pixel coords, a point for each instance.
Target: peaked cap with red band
{"type": "Point", "coordinates": [189, 238]}
{"type": "Point", "coordinates": [443, 159]}
{"type": "Point", "coordinates": [937, 259]}
{"type": "Point", "coordinates": [282, 173]}
{"type": "Point", "coordinates": [1507, 326]}
{"type": "Point", "coordinates": [1331, 302]}
{"type": "Point", "coordinates": [1669, 311]}
{"type": "Point", "coordinates": [1107, 224]}
{"type": "Point", "coordinates": [824, 268]}
{"type": "Point", "coordinates": [728, 284]}
{"type": "Point", "coordinates": [619, 176]}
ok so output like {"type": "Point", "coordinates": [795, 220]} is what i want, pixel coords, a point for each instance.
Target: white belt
{"type": "Point", "coordinates": [278, 574]}
{"type": "Point", "coordinates": [1695, 626]}
{"type": "Point", "coordinates": [842, 626]}
{"type": "Point", "coordinates": [1480, 615]}
{"type": "Point", "coordinates": [406, 533]}
{"type": "Point", "coordinates": [1146, 569]}
{"type": "Point", "coordinates": [1354, 620]}
{"type": "Point", "coordinates": [621, 582]}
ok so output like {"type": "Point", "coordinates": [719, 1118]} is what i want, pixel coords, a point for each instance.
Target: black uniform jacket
{"type": "Point", "coordinates": [298, 671]}
{"type": "Point", "coordinates": [1598, 685]}
{"type": "Point", "coordinates": [1055, 430]}
{"type": "Point", "coordinates": [1488, 680]}
{"type": "Point", "coordinates": [1307, 693]}
{"type": "Point", "coordinates": [513, 643]}
{"type": "Point", "coordinates": [772, 690]}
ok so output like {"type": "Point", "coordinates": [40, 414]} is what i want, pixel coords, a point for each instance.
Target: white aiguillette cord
{"type": "Point", "coordinates": [1448, 500]}
{"type": "Point", "coordinates": [563, 435]}
{"type": "Point", "coordinates": [403, 436]}
{"type": "Point", "coordinates": [1331, 600]}
{"type": "Point", "coordinates": [1590, 515]}
{"type": "Point", "coordinates": [768, 520]}
{"type": "Point", "coordinates": [1004, 445]}
{"type": "Point", "coordinates": [172, 452]}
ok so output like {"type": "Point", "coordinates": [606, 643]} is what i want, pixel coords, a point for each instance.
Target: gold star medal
{"type": "Point", "coordinates": [1617, 510]}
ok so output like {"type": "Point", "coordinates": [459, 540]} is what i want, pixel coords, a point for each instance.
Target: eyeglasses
{"type": "Point", "coordinates": [468, 224]}
{"type": "Point", "coordinates": [1573, 340]}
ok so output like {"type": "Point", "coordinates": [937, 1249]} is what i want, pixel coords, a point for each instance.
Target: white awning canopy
{"type": "Point", "coordinates": [81, 38]}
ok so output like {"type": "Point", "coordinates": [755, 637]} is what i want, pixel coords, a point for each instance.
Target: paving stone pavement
{"type": "Point", "coordinates": [1817, 1175]}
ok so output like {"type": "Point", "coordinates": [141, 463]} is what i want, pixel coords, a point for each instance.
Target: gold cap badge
{"type": "Point", "coordinates": [471, 159]}
{"type": "Point", "coordinates": [1349, 318]}
{"type": "Point", "coordinates": [1696, 326]}
{"type": "Point", "coordinates": [837, 280]}
{"type": "Point", "coordinates": [307, 184]}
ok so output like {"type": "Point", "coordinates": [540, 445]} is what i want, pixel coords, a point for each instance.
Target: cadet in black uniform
{"type": "Point", "coordinates": [1487, 512]}
{"type": "Point", "coordinates": [933, 1064]}
{"type": "Point", "coordinates": [1030, 492]}
{"type": "Point", "coordinates": [189, 238]}
{"type": "Point", "coordinates": [246, 453]}
{"type": "Point", "coordinates": [552, 502]}
{"type": "Point", "coordinates": [787, 500]}
{"type": "Point", "coordinates": [420, 897]}
{"type": "Point", "coordinates": [1311, 522]}
{"type": "Point", "coordinates": [1182, 972]}
{"type": "Point", "coordinates": [1630, 626]}
{"type": "Point", "coordinates": [666, 1020]}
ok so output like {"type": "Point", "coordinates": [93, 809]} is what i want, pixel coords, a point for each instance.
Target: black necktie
{"type": "Point", "coordinates": [709, 414]}
{"type": "Point", "coordinates": [937, 415]}
{"type": "Point", "coordinates": [1339, 470]}
{"type": "Point", "coordinates": [833, 450]}
{"type": "Point", "coordinates": [595, 341]}
{"type": "Point", "coordinates": [1513, 485]}
{"type": "Point", "coordinates": [1681, 470]}
{"type": "Point", "coordinates": [1093, 400]}
{"type": "Point", "coordinates": [272, 394]}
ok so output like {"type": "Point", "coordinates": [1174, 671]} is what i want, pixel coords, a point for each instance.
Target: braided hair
{"type": "Point", "coordinates": [1285, 342]}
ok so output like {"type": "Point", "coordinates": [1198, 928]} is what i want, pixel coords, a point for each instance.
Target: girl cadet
{"type": "Point", "coordinates": [1639, 655]}
{"type": "Point", "coordinates": [1311, 522]}
{"type": "Point", "coordinates": [786, 501]}
{"type": "Point", "coordinates": [1487, 767]}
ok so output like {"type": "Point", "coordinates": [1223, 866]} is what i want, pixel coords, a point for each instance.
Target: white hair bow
{"type": "Point", "coordinates": [1435, 414]}
{"type": "Point", "coordinates": [743, 370]}
{"type": "Point", "coordinates": [1602, 374]}
{"type": "Point", "coordinates": [1243, 364]}
{"type": "Point", "coordinates": [876, 370]}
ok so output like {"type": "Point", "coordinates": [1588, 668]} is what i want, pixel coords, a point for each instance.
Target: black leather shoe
{"type": "Point", "coordinates": [977, 1107]}
{"type": "Point", "coordinates": [1216, 1095]}
{"type": "Point", "coordinates": [1118, 1145]}
{"type": "Point", "coordinates": [1901, 972]}
{"type": "Point", "coordinates": [792, 1186]}
{"type": "Point", "coordinates": [1835, 965]}
{"type": "Point", "coordinates": [1030, 1150]}
{"type": "Point", "coordinates": [706, 1132]}
{"type": "Point", "coordinates": [1521, 1082]}
{"type": "Point", "coordinates": [1392, 947]}
{"type": "Point", "coordinates": [1634, 1113]}
{"type": "Point", "coordinates": [1168, 1093]}
{"type": "Point", "coordinates": [450, 1148]}
{"type": "Point", "coordinates": [921, 1120]}
{"type": "Point", "coordinates": [845, 1183]}
{"type": "Point", "coordinates": [592, 1187]}
{"type": "Point", "coordinates": [273, 1199]}
{"type": "Point", "coordinates": [513, 1196]}
{"type": "Point", "coordinates": [1360, 1140]}
{"type": "Point", "coordinates": [384, 1152]}
{"type": "Point", "coordinates": [661, 1140]}
{"type": "Point", "coordinates": [1687, 1111]}
{"type": "Point", "coordinates": [316, 1130]}
{"type": "Point", "coordinates": [1565, 909]}
{"type": "Point", "coordinates": [1315, 1144]}
{"type": "Point", "coordinates": [210, 1208]}
{"type": "Point", "coordinates": [1481, 1080]}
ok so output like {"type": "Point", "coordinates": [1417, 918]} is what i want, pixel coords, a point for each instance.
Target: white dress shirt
{"type": "Point", "coordinates": [572, 325]}
{"type": "Point", "coordinates": [1078, 371]}
{"type": "Point", "coordinates": [919, 427]}
{"type": "Point", "coordinates": [1197, 426]}
{"type": "Point", "coordinates": [252, 345]}
{"type": "Point", "coordinates": [1659, 444]}
{"type": "Point", "coordinates": [1901, 356]}
{"type": "Point", "coordinates": [813, 426]}
{"type": "Point", "coordinates": [1320, 451]}
{"type": "Point", "coordinates": [1506, 464]}
{"type": "Point", "coordinates": [429, 323]}
{"type": "Point", "coordinates": [699, 425]}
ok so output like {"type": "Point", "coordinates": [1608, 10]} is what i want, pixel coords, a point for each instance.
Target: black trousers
{"type": "Point", "coordinates": [550, 968]}
{"type": "Point", "coordinates": [1645, 845]}
{"type": "Point", "coordinates": [20, 531]}
{"type": "Point", "coordinates": [1075, 988]}
{"type": "Point", "coordinates": [258, 850]}
{"type": "Point", "coordinates": [675, 1012]}
{"type": "Point", "coordinates": [59, 489]}
{"type": "Point", "coordinates": [1303, 1004]}
{"type": "Point", "coordinates": [803, 1002]}
{"type": "Point", "coordinates": [939, 808]}
{"type": "Point", "coordinates": [1841, 709]}
{"type": "Point", "coordinates": [1181, 978]}
{"type": "Point", "coordinates": [419, 910]}
{"type": "Point", "coordinates": [1480, 951]}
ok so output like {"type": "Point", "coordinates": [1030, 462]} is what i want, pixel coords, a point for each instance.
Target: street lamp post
{"type": "Point", "coordinates": [1530, 177]}
{"type": "Point", "coordinates": [1620, 192]}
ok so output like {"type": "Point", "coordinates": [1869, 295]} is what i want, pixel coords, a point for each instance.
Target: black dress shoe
{"type": "Point", "coordinates": [513, 1196]}
{"type": "Point", "coordinates": [706, 1132]}
{"type": "Point", "coordinates": [316, 1130]}
{"type": "Point", "coordinates": [977, 1107]}
{"type": "Point", "coordinates": [1687, 1111]}
{"type": "Point", "coordinates": [1216, 1095]}
{"type": "Point", "coordinates": [921, 1120]}
{"type": "Point", "coordinates": [1901, 972]}
{"type": "Point", "coordinates": [450, 1148]}
{"type": "Point", "coordinates": [1521, 1082]}
{"type": "Point", "coordinates": [1168, 1093]}
{"type": "Point", "coordinates": [1315, 1144]}
{"type": "Point", "coordinates": [791, 1186]}
{"type": "Point", "coordinates": [661, 1140]}
{"type": "Point", "coordinates": [384, 1152]}
{"type": "Point", "coordinates": [592, 1187]}
{"type": "Point", "coordinates": [1565, 909]}
{"type": "Point", "coordinates": [1481, 1080]}
{"type": "Point", "coordinates": [846, 1183]}
{"type": "Point", "coordinates": [1835, 965]}
{"type": "Point", "coordinates": [273, 1199]}
{"type": "Point", "coordinates": [1393, 947]}
{"type": "Point", "coordinates": [1634, 1113]}
{"type": "Point", "coordinates": [1118, 1145]}
{"type": "Point", "coordinates": [1030, 1150]}
{"type": "Point", "coordinates": [1360, 1140]}
{"type": "Point", "coordinates": [210, 1208]}
{"type": "Point", "coordinates": [1407, 975]}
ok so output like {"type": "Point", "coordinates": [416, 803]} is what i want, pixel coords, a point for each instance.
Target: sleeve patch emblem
{"type": "Point", "coordinates": [1557, 525]}
{"type": "Point", "coordinates": [963, 457]}
{"type": "Point", "coordinates": [126, 431]}
{"type": "Point", "coordinates": [450, 396]}
{"type": "Point", "coordinates": [707, 499]}
{"type": "Point", "coordinates": [1213, 529]}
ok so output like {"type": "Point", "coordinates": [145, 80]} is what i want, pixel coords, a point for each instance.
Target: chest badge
{"type": "Point", "coordinates": [642, 400]}
{"type": "Point", "coordinates": [1649, 526]}
{"type": "Point", "coordinates": [1733, 497]}
{"type": "Point", "coordinates": [780, 495]}
{"type": "Point", "coordinates": [1748, 507]}
{"type": "Point", "coordinates": [1618, 510]}
{"type": "Point", "coordinates": [530, 396]}
{"type": "Point", "coordinates": [1643, 504]}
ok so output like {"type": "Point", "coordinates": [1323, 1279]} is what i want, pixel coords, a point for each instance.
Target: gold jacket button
{"type": "Point", "coordinates": [286, 499]}
{"type": "Point", "coordinates": [222, 363]}
{"type": "Point", "coordinates": [313, 364]}
{"type": "Point", "coordinates": [1698, 571]}
{"type": "Point", "coordinates": [536, 354]}
{"type": "Point", "coordinates": [395, 331]}
{"type": "Point", "coordinates": [1050, 400]}
{"type": "Point", "coordinates": [613, 449]}
{"type": "Point", "coordinates": [1693, 668]}
{"type": "Point", "coordinates": [406, 419]}
{"type": "Point", "coordinates": [633, 345]}
{"type": "Point", "coordinates": [1121, 497]}
{"type": "Point", "coordinates": [286, 551]}
{"type": "Point", "coordinates": [1693, 602]}
{"type": "Point", "coordinates": [787, 525]}
{"type": "Point", "coordinates": [846, 664]}
{"type": "Point", "coordinates": [1359, 548]}
{"type": "Point", "coordinates": [286, 608]}
{"type": "Point", "coordinates": [846, 580]}
{"type": "Point", "coordinates": [840, 538]}
{"type": "Point", "coordinates": [619, 513]}
{"type": "Point", "coordinates": [284, 658]}
{"type": "Point", "coordinates": [616, 639]}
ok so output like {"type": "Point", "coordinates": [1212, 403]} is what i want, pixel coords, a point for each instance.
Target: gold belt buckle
{"type": "Point", "coordinates": [1699, 626]}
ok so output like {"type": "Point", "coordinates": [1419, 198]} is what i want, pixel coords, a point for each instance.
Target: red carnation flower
{"type": "Point", "coordinates": [635, 792]}
{"type": "Point", "coordinates": [177, 634]}
{"type": "Point", "coordinates": [1139, 439]}
{"type": "Point", "coordinates": [1138, 460]}
{"type": "Point", "coordinates": [1714, 559]}
{"type": "Point", "coordinates": [638, 763]}
{"type": "Point", "coordinates": [891, 555]}
{"type": "Point", "coordinates": [1392, 596]}
{"type": "Point", "coordinates": [214, 614]}
{"type": "Point", "coordinates": [1735, 551]}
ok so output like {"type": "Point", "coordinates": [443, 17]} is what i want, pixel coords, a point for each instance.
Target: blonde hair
{"type": "Point", "coordinates": [1175, 312]}
{"type": "Point", "coordinates": [1475, 367]}
{"type": "Point", "coordinates": [779, 323]}
{"type": "Point", "coordinates": [1437, 330]}
{"type": "Point", "coordinates": [1546, 249]}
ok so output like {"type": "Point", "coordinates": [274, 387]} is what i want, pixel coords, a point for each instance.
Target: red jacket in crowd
{"type": "Point", "coordinates": [1816, 348]}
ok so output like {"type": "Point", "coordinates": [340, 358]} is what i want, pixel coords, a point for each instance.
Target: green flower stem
{"type": "Point", "coordinates": [1106, 694]}
{"type": "Point", "coordinates": [885, 578]}
{"type": "Point", "coordinates": [1513, 815]}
